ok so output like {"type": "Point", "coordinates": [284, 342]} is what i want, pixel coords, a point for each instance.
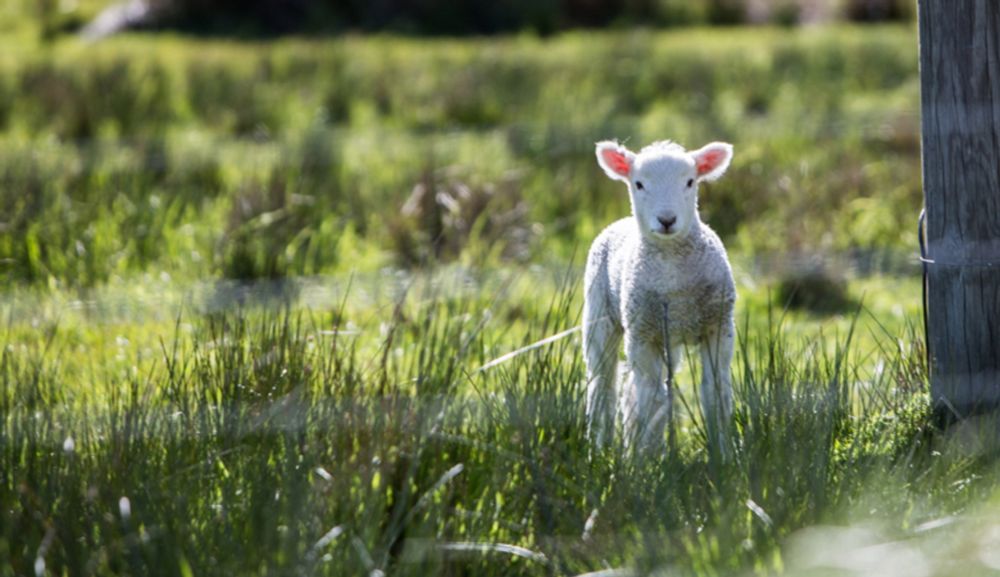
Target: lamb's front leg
{"type": "Point", "coordinates": [716, 381]}
{"type": "Point", "coordinates": [601, 340]}
{"type": "Point", "coordinates": [646, 403]}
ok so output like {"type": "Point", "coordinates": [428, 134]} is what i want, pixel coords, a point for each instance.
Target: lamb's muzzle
{"type": "Point", "coordinates": [666, 222]}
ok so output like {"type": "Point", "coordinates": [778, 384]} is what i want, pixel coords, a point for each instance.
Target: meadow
{"type": "Point", "coordinates": [253, 293]}
{"type": "Point", "coordinates": [249, 160]}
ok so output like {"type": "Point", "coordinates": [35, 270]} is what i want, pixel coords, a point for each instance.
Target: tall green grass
{"type": "Point", "coordinates": [283, 441]}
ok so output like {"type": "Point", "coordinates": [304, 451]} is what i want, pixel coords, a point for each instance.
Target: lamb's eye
{"type": "Point", "coordinates": [638, 184]}
{"type": "Point", "coordinates": [690, 182]}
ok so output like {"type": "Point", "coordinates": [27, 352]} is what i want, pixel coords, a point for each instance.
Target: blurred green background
{"type": "Point", "coordinates": [203, 151]}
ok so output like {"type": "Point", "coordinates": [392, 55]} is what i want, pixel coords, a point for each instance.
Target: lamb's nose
{"type": "Point", "coordinates": [667, 221]}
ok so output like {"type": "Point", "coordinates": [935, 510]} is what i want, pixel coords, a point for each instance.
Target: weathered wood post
{"type": "Point", "coordinates": [960, 93]}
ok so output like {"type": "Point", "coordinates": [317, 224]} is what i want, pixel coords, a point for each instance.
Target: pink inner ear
{"type": "Point", "coordinates": [617, 162]}
{"type": "Point", "coordinates": [709, 160]}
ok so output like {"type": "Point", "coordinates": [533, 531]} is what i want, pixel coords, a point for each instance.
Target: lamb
{"type": "Point", "coordinates": [662, 259]}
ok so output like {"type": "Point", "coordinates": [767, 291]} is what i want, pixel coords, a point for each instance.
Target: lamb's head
{"type": "Point", "coordinates": [663, 182]}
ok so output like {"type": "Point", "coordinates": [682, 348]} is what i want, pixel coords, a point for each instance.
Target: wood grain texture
{"type": "Point", "coordinates": [960, 94]}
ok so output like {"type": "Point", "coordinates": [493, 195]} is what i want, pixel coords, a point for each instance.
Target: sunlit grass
{"type": "Point", "coordinates": [123, 323]}
{"type": "Point", "coordinates": [356, 434]}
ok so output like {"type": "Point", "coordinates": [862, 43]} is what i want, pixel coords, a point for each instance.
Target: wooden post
{"type": "Point", "coordinates": [960, 93]}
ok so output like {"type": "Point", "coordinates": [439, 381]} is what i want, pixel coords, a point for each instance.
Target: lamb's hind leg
{"type": "Point", "coordinates": [601, 342]}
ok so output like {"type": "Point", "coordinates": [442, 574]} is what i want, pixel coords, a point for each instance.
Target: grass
{"type": "Point", "coordinates": [328, 440]}
{"type": "Point", "coordinates": [248, 290]}
{"type": "Point", "coordinates": [260, 160]}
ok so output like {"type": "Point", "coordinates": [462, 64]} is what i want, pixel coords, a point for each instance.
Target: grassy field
{"type": "Point", "coordinates": [354, 432]}
{"type": "Point", "coordinates": [248, 160]}
{"type": "Point", "coordinates": [249, 290]}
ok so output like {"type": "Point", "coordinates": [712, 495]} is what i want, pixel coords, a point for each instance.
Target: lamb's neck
{"type": "Point", "coordinates": [675, 248]}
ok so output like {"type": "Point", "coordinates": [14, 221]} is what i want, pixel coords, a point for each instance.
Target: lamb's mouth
{"type": "Point", "coordinates": [663, 234]}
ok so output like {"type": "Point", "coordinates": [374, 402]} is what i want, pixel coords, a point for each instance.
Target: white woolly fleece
{"type": "Point", "coordinates": [663, 253]}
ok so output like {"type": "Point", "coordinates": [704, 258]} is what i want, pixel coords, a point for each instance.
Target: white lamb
{"type": "Point", "coordinates": [662, 259]}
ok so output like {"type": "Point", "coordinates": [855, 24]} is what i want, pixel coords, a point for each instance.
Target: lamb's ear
{"type": "Point", "coordinates": [615, 159]}
{"type": "Point", "coordinates": [712, 160]}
